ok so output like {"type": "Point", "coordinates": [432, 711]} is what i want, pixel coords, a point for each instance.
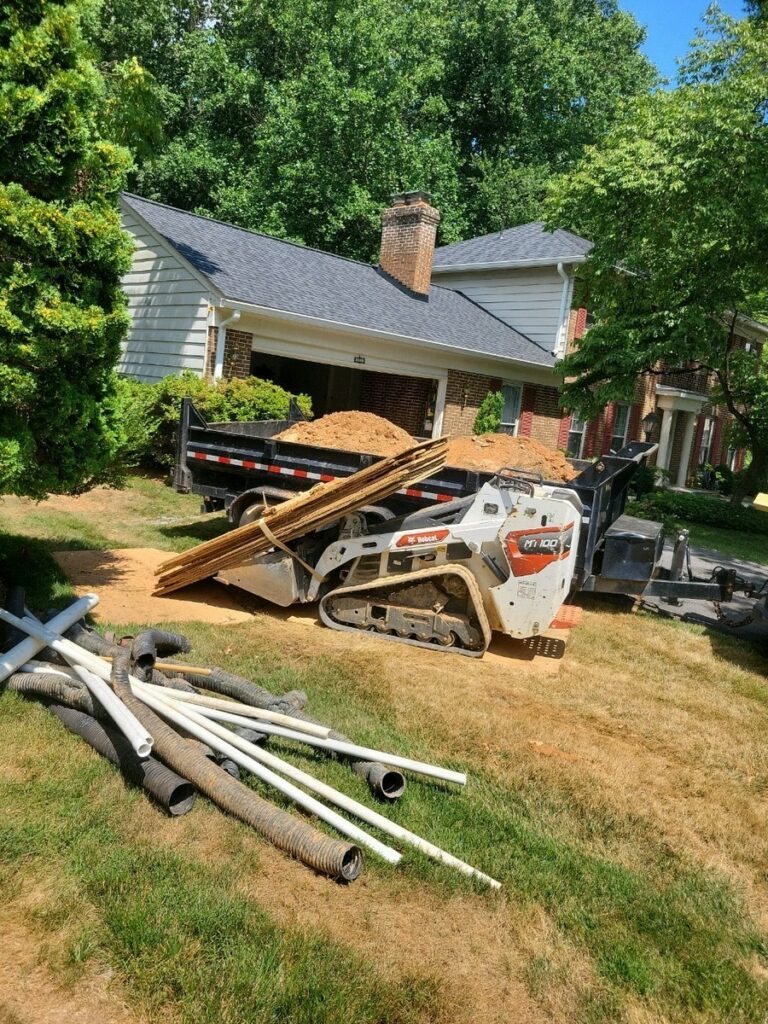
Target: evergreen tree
{"type": "Point", "coordinates": [62, 253]}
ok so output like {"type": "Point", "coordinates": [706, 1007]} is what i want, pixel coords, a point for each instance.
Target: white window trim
{"type": "Point", "coordinates": [614, 435]}
{"type": "Point", "coordinates": [584, 424]}
{"type": "Point", "coordinates": [515, 424]}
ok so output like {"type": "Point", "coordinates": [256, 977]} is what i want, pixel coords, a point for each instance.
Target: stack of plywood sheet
{"type": "Point", "coordinates": [323, 504]}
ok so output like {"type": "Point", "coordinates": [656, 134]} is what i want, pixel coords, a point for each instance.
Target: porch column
{"type": "Point", "coordinates": [685, 454]}
{"type": "Point", "coordinates": [662, 458]}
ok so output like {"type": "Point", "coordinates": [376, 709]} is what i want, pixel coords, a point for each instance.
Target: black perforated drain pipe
{"type": "Point", "coordinates": [167, 788]}
{"type": "Point", "coordinates": [304, 842]}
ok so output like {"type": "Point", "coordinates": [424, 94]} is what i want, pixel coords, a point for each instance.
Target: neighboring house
{"type": "Point", "coordinates": [421, 338]}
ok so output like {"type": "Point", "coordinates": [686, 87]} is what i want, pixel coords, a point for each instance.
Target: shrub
{"type": "Point", "coordinates": [149, 413]}
{"type": "Point", "coordinates": [724, 479]}
{"type": "Point", "coordinates": [488, 419]}
{"type": "Point", "coordinates": [673, 509]}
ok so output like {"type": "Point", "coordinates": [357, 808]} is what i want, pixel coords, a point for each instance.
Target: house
{"type": "Point", "coordinates": [420, 338]}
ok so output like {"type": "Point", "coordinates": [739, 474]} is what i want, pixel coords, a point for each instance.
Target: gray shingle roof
{"type": "Point", "coordinates": [250, 267]}
{"type": "Point", "coordinates": [525, 242]}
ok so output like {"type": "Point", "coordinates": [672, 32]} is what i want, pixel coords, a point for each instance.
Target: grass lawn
{"type": "Point", "coordinates": [619, 796]}
{"type": "Point", "coordinates": [753, 547]}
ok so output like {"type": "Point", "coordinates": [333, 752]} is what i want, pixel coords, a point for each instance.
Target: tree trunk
{"type": "Point", "coordinates": [755, 476]}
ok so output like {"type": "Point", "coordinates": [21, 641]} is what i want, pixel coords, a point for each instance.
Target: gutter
{"type": "Point", "coordinates": [303, 318]}
{"type": "Point", "coordinates": [455, 268]}
{"type": "Point", "coordinates": [562, 324]}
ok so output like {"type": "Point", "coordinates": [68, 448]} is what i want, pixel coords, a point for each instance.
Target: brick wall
{"type": "Point", "coordinates": [464, 394]}
{"type": "Point", "coordinates": [403, 400]}
{"type": "Point", "coordinates": [237, 353]}
{"type": "Point", "coordinates": [547, 416]}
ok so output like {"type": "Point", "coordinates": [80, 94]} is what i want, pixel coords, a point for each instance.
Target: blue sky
{"type": "Point", "coordinates": [671, 24]}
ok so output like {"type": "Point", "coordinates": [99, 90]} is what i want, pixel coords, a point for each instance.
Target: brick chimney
{"type": "Point", "coordinates": [408, 230]}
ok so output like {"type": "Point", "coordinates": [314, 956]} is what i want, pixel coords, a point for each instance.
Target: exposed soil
{"type": "Point", "coordinates": [351, 431]}
{"type": "Point", "coordinates": [29, 992]}
{"type": "Point", "coordinates": [364, 432]}
{"type": "Point", "coordinates": [500, 451]}
{"type": "Point", "coordinates": [124, 580]}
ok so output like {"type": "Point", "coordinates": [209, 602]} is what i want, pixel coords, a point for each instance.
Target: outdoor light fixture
{"type": "Point", "coordinates": [649, 423]}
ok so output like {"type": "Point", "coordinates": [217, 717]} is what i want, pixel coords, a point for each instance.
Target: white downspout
{"type": "Point", "coordinates": [562, 330]}
{"type": "Point", "coordinates": [221, 337]}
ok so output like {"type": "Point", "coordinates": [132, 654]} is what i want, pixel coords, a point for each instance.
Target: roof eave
{"type": "Point", "coordinates": [544, 261]}
{"type": "Point", "coordinates": [340, 325]}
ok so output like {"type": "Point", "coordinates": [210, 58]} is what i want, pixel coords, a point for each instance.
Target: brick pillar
{"type": "Point", "coordinates": [634, 423]}
{"type": "Point", "coordinates": [526, 410]}
{"type": "Point", "coordinates": [609, 417]}
{"type": "Point", "coordinates": [562, 434]}
{"type": "Point", "coordinates": [210, 352]}
{"type": "Point", "coordinates": [238, 346]}
{"type": "Point", "coordinates": [591, 440]}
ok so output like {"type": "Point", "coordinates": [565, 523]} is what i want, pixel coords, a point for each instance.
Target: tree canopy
{"type": "Point", "coordinates": [675, 199]}
{"type": "Point", "coordinates": [62, 314]}
{"type": "Point", "coordinates": [302, 117]}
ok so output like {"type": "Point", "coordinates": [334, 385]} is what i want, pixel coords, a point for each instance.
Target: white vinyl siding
{"type": "Point", "coordinates": [168, 307]}
{"type": "Point", "coordinates": [528, 300]}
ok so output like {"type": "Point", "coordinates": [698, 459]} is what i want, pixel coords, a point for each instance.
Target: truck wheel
{"type": "Point", "coordinates": [250, 514]}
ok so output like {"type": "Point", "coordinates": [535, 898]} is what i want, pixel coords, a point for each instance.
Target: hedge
{"type": "Point", "coordinates": [672, 508]}
{"type": "Point", "coordinates": [149, 413]}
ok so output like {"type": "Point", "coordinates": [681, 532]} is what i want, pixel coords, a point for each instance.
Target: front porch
{"type": "Point", "coordinates": [679, 412]}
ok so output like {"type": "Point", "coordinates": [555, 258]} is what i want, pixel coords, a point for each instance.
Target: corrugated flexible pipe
{"type": "Point", "coordinates": [150, 643]}
{"type": "Point", "coordinates": [327, 855]}
{"type": "Point", "coordinates": [171, 791]}
{"type": "Point", "coordinates": [385, 782]}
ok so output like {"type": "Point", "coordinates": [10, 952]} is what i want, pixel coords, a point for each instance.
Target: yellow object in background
{"type": "Point", "coordinates": [761, 502]}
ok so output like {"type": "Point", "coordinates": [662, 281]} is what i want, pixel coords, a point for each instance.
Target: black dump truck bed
{"type": "Point", "coordinates": [227, 462]}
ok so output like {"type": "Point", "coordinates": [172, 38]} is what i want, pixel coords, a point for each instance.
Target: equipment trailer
{"type": "Point", "coordinates": [446, 563]}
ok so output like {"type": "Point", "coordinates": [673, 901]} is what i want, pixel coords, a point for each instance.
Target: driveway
{"type": "Point", "coordinates": [703, 563]}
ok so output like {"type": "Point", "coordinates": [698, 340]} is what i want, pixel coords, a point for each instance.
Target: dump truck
{"type": "Point", "coordinates": [450, 561]}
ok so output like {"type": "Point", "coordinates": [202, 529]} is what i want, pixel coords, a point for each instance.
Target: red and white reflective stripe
{"type": "Point", "coordinates": [304, 474]}
{"type": "Point", "coordinates": [266, 467]}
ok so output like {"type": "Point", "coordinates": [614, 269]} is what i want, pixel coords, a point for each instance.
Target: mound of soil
{"type": "Point", "coordinates": [351, 431]}
{"type": "Point", "coordinates": [500, 451]}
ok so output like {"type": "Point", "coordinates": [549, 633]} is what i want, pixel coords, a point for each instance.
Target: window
{"type": "Point", "coordinates": [706, 440]}
{"type": "Point", "coordinates": [510, 414]}
{"type": "Point", "coordinates": [731, 458]}
{"type": "Point", "coordinates": [576, 432]}
{"type": "Point", "coordinates": [620, 427]}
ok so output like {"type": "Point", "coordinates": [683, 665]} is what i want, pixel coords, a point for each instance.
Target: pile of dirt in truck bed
{"type": "Point", "coordinates": [353, 432]}
{"type": "Point", "coordinates": [364, 432]}
{"type": "Point", "coordinates": [499, 451]}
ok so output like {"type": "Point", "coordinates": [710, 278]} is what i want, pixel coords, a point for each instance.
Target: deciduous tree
{"type": "Point", "coordinates": [676, 202]}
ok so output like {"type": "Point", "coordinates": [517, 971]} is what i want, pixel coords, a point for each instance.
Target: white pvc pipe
{"type": "Point", "coordinates": [125, 720]}
{"type": "Point", "coordinates": [341, 800]}
{"type": "Point", "coordinates": [12, 660]}
{"type": "Point", "coordinates": [98, 673]}
{"type": "Point", "coordinates": [246, 710]}
{"type": "Point", "coordinates": [189, 721]}
{"type": "Point", "coordinates": [350, 749]}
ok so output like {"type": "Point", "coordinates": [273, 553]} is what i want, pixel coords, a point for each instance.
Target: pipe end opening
{"type": "Point", "coordinates": [182, 799]}
{"type": "Point", "coordinates": [351, 864]}
{"type": "Point", "coordinates": [144, 749]}
{"type": "Point", "coordinates": [391, 786]}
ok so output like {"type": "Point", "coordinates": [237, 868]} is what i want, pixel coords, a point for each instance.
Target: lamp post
{"type": "Point", "coordinates": [649, 423]}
